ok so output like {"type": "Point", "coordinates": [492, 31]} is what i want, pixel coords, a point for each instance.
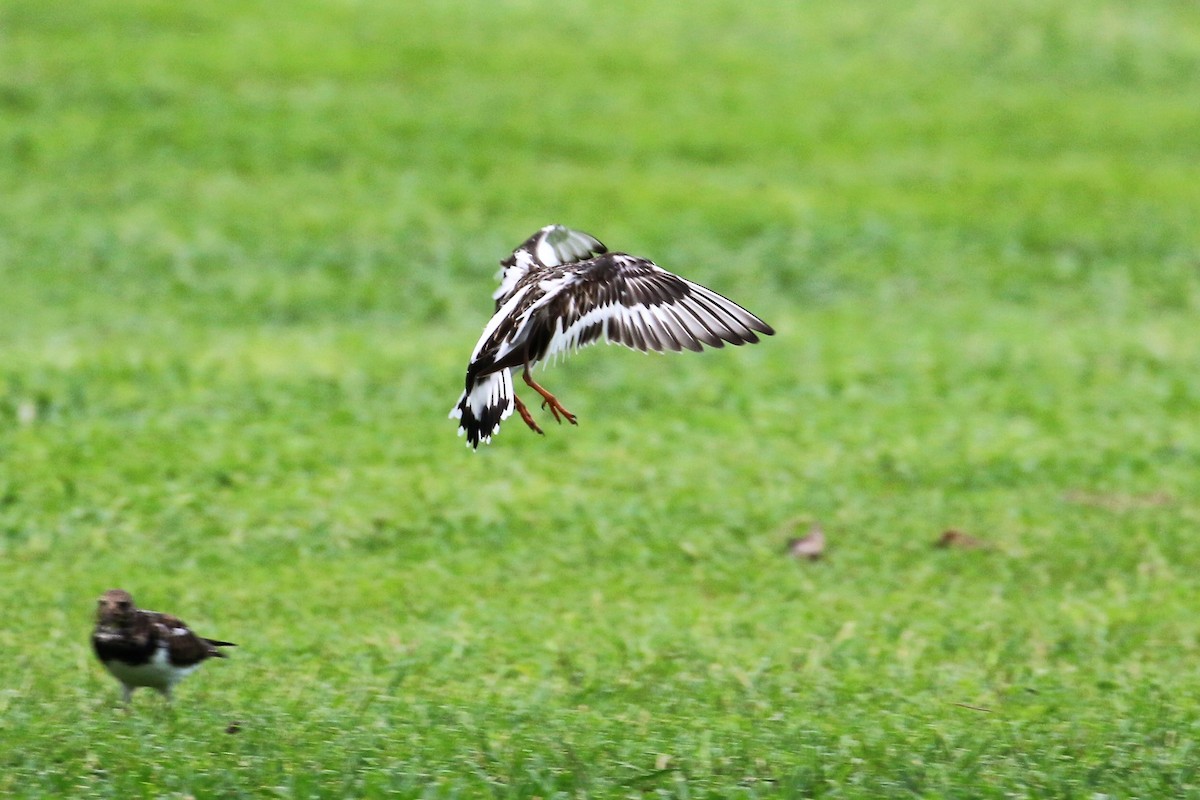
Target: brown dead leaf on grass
{"type": "Point", "coordinates": [810, 546]}
{"type": "Point", "coordinates": [954, 539]}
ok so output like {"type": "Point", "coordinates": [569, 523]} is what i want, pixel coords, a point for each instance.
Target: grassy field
{"type": "Point", "coordinates": [245, 253]}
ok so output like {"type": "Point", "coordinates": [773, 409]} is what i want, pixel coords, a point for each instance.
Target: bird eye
{"type": "Point", "coordinates": [123, 605]}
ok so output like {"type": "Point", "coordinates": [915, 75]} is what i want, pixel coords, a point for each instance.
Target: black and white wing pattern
{"type": "Point", "coordinates": [481, 409]}
{"type": "Point", "coordinates": [562, 290]}
{"type": "Point", "coordinates": [625, 300]}
{"type": "Point", "coordinates": [147, 648]}
{"type": "Point", "coordinates": [552, 246]}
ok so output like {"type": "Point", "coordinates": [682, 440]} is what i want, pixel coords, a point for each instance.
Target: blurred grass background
{"type": "Point", "coordinates": [245, 252]}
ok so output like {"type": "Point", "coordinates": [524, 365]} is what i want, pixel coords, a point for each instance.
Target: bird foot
{"type": "Point", "coordinates": [556, 408]}
{"type": "Point", "coordinates": [526, 417]}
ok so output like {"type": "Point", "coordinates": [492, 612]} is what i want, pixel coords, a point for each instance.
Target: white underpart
{"type": "Point", "coordinates": [157, 673]}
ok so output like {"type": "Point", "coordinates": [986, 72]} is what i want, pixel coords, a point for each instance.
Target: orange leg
{"type": "Point", "coordinates": [556, 407]}
{"type": "Point", "coordinates": [526, 416]}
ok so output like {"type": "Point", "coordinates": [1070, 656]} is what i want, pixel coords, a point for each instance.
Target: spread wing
{"type": "Point", "coordinates": [634, 302]}
{"type": "Point", "coordinates": [552, 246]}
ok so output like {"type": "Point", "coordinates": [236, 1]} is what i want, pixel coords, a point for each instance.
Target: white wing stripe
{"type": "Point", "coordinates": [564, 341]}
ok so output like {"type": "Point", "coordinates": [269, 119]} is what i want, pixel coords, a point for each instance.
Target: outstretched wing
{"type": "Point", "coordinates": [552, 246]}
{"type": "Point", "coordinates": [634, 302]}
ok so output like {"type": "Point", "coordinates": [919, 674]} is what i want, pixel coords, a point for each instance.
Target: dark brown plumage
{"type": "Point", "coordinates": [147, 648]}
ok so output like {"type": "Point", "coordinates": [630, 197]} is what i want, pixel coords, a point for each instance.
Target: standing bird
{"type": "Point", "coordinates": [562, 290]}
{"type": "Point", "coordinates": [146, 648]}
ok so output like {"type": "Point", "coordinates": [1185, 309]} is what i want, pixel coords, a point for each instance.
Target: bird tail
{"type": "Point", "coordinates": [483, 406]}
{"type": "Point", "coordinates": [213, 644]}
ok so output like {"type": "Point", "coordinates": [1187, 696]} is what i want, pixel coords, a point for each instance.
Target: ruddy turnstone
{"type": "Point", "coordinates": [146, 648]}
{"type": "Point", "coordinates": [562, 290]}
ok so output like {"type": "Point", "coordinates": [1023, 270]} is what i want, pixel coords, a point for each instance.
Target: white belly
{"type": "Point", "coordinates": [157, 673]}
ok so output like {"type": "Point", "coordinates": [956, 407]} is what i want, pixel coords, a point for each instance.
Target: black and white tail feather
{"type": "Point", "coordinates": [562, 290]}
{"type": "Point", "coordinates": [488, 401]}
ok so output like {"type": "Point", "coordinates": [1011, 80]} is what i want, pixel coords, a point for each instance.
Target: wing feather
{"type": "Point", "coordinates": [562, 290]}
{"type": "Point", "coordinates": [552, 246]}
{"type": "Point", "coordinates": [635, 303]}
{"type": "Point", "coordinates": [685, 335]}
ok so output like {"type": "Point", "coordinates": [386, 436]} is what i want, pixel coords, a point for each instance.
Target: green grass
{"type": "Point", "coordinates": [245, 253]}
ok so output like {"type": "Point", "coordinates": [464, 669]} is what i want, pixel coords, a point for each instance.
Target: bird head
{"type": "Point", "coordinates": [115, 608]}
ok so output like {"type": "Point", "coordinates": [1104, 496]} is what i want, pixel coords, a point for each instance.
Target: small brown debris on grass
{"type": "Point", "coordinates": [810, 546]}
{"type": "Point", "coordinates": [955, 539]}
{"type": "Point", "coordinates": [970, 707]}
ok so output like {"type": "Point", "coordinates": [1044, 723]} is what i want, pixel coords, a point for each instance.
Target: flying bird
{"type": "Point", "coordinates": [562, 290]}
{"type": "Point", "coordinates": [146, 648]}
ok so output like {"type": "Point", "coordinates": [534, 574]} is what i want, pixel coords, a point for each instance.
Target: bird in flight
{"type": "Point", "coordinates": [562, 290]}
{"type": "Point", "coordinates": [146, 648]}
